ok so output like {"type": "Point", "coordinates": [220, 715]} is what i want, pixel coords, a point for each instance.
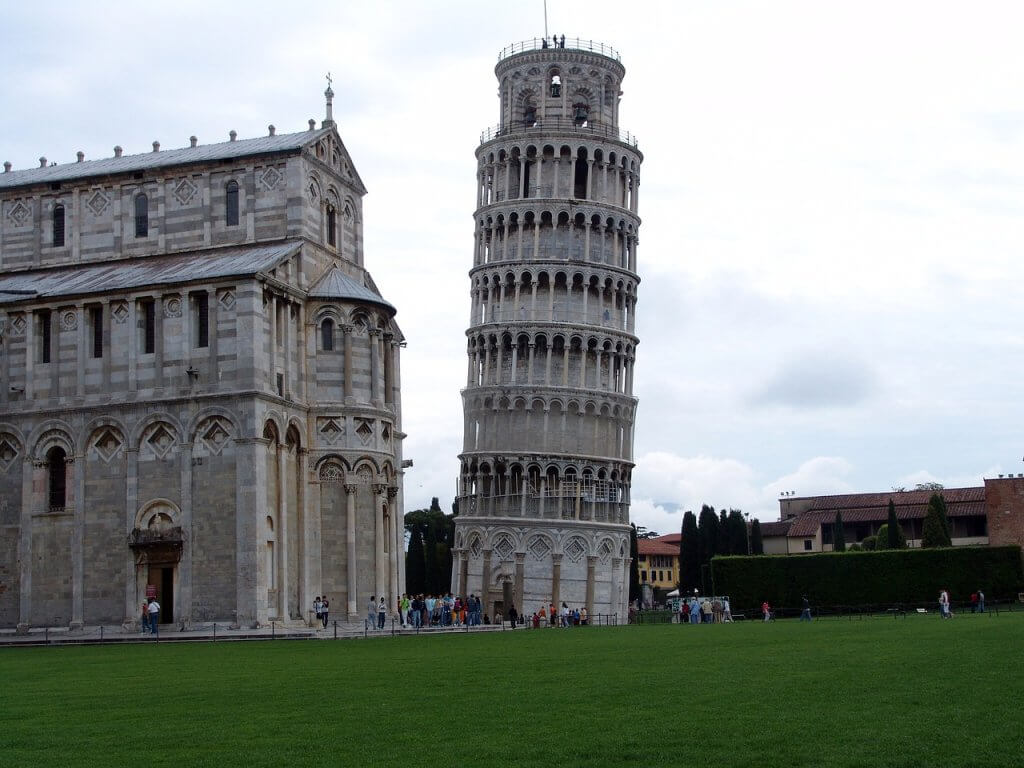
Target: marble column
{"type": "Point", "coordinates": [350, 545]}
{"type": "Point", "coordinates": [380, 561]}
{"type": "Point", "coordinates": [591, 570]}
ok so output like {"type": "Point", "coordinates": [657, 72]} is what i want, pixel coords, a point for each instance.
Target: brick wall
{"type": "Point", "coordinates": [1004, 507]}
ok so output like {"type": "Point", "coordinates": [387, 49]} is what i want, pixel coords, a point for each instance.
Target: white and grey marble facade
{"type": "Point", "coordinates": [549, 407]}
{"type": "Point", "coordinates": [199, 393]}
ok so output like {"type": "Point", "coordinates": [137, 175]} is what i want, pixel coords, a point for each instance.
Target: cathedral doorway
{"type": "Point", "coordinates": [161, 576]}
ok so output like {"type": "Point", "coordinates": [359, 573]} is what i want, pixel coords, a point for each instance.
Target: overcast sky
{"type": "Point", "coordinates": [832, 199]}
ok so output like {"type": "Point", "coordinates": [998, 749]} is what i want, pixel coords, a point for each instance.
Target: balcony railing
{"type": "Point", "coordinates": [561, 124]}
{"type": "Point", "coordinates": [546, 508]}
{"type": "Point", "coordinates": [553, 253]}
{"type": "Point", "coordinates": [567, 43]}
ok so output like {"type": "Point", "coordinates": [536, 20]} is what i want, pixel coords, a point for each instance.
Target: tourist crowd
{"type": "Point", "coordinates": [705, 610]}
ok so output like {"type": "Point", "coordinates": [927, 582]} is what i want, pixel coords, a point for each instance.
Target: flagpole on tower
{"type": "Point", "coordinates": [545, 18]}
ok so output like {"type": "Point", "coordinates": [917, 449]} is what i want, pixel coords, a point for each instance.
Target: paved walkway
{"type": "Point", "coordinates": [218, 632]}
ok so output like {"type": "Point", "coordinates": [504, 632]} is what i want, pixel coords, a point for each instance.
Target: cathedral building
{"type": "Point", "coordinates": [199, 387]}
{"type": "Point", "coordinates": [543, 494]}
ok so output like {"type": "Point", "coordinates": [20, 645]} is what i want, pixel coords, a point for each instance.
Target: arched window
{"type": "Point", "coordinates": [556, 85]}
{"type": "Point", "coordinates": [327, 333]}
{"type": "Point", "coordinates": [141, 216]}
{"type": "Point", "coordinates": [56, 470]}
{"type": "Point", "coordinates": [332, 225]}
{"type": "Point", "coordinates": [58, 226]}
{"type": "Point", "coordinates": [231, 204]}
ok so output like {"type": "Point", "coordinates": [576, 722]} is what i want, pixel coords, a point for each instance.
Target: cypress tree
{"type": "Point", "coordinates": [415, 564]}
{"type": "Point", "coordinates": [935, 532]}
{"type": "Point", "coordinates": [689, 553]}
{"type": "Point", "coordinates": [431, 584]}
{"type": "Point", "coordinates": [895, 534]}
{"type": "Point", "coordinates": [707, 525]}
{"type": "Point", "coordinates": [634, 567]}
{"type": "Point", "coordinates": [737, 533]}
{"type": "Point", "coordinates": [838, 534]}
{"type": "Point", "coordinates": [722, 545]}
{"type": "Point", "coordinates": [756, 543]}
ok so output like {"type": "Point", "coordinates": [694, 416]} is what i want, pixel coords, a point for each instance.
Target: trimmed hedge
{"type": "Point", "coordinates": [869, 578]}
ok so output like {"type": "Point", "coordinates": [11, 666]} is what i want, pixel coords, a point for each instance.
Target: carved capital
{"type": "Point", "coordinates": [379, 488]}
{"type": "Point", "coordinates": [392, 491]}
{"type": "Point", "coordinates": [350, 488]}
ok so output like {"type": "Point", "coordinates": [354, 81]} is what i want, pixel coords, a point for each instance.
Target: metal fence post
{"type": "Point", "coordinates": [335, 629]}
{"type": "Point", "coordinates": [273, 630]}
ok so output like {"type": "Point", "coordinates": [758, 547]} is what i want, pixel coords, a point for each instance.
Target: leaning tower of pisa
{"type": "Point", "coordinates": [543, 492]}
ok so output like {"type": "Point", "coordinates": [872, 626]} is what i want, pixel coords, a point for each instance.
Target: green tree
{"type": "Point", "coordinates": [415, 563]}
{"type": "Point", "coordinates": [736, 528]}
{"type": "Point", "coordinates": [869, 543]}
{"type": "Point", "coordinates": [707, 526]}
{"type": "Point", "coordinates": [430, 559]}
{"type": "Point", "coordinates": [838, 534]}
{"type": "Point", "coordinates": [896, 538]}
{"type": "Point", "coordinates": [634, 567]}
{"type": "Point", "coordinates": [438, 532]}
{"type": "Point", "coordinates": [756, 542]}
{"type": "Point", "coordinates": [935, 532]}
{"type": "Point", "coordinates": [883, 538]}
{"type": "Point", "coordinates": [689, 553]}
{"type": "Point", "coordinates": [722, 545]}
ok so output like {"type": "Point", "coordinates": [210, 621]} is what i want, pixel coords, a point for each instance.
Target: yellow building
{"type": "Point", "coordinates": [658, 561]}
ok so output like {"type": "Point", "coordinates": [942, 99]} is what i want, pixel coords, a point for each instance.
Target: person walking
{"type": "Point", "coordinates": [981, 602]}
{"type": "Point", "coordinates": [766, 610]}
{"type": "Point", "coordinates": [325, 609]}
{"type": "Point", "coordinates": [382, 613]}
{"type": "Point", "coordinates": [154, 616]}
{"type": "Point", "coordinates": [318, 610]}
{"type": "Point", "coordinates": [805, 614]}
{"type": "Point", "coordinates": [145, 618]}
{"type": "Point", "coordinates": [944, 604]}
{"type": "Point", "coordinates": [371, 613]}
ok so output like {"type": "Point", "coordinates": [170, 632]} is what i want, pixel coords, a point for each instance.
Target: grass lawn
{"type": "Point", "coordinates": [914, 692]}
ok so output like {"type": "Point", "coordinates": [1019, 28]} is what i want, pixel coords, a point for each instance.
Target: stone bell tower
{"type": "Point", "coordinates": [543, 492]}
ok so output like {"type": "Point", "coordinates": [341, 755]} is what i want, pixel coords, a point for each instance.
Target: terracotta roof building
{"type": "Point", "coordinates": [981, 515]}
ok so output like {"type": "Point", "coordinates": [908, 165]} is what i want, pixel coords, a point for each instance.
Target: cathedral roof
{"type": "Point", "coordinates": [124, 274]}
{"type": "Point", "coordinates": [335, 284]}
{"type": "Point", "coordinates": [108, 166]}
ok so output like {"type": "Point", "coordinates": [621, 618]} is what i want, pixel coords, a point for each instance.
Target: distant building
{"type": "Point", "coordinates": [199, 387]}
{"type": "Point", "coordinates": [992, 514]}
{"type": "Point", "coordinates": [658, 561]}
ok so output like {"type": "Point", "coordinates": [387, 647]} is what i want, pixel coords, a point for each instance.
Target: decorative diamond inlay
{"type": "Point", "coordinates": [215, 437]}
{"type": "Point", "coordinates": [504, 548]}
{"type": "Point", "coordinates": [605, 551]}
{"type": "Point", "coordinates": [331, 430]}
{"type": "Point", "coordinates": [18, 323]}
{"type": "Point", "coordinates": [575, 550]}
{"type": "Point", "coordinates": [539, 548]}
{"type": "Point", "coordinates": [19, 213]}
{"type": "Point", "coordinates": [107, 445]}
{"type": "Point", "coordinates": [364, 430]}
{"type": "Point", "coordinates": [97, 202]}
{"type": "Point", "coordinates": [226, 298]}
{"type": "Point", "coordinates": [119, 312]}
{"type": "Point", "coordinates": [474, 546]}
{"type": "Point", "coordinates": [385, 433]}
{"type": "Point", "coordinates": [185, 191]}
{"type": "Point", "coordinates": [270, 178]}
{"type": "Point", "coordinates": [8, 452]}
{"type": "Point", "coordinates": [161, 440]}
